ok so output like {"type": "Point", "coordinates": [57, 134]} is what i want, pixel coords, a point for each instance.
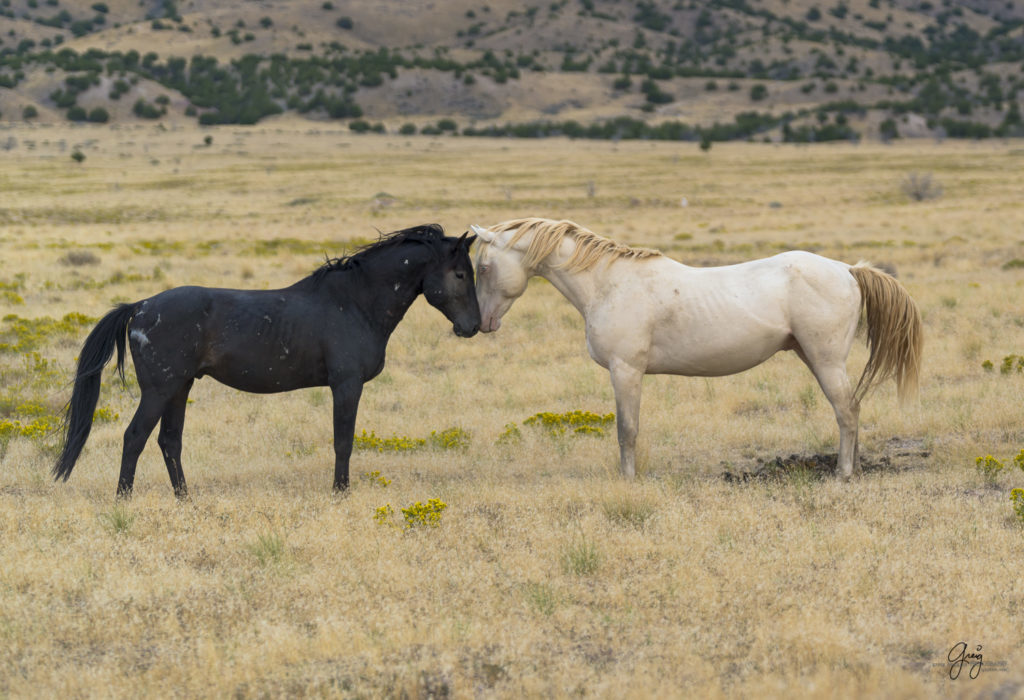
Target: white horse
{"type": "Point", "coordinates": [648, 314]}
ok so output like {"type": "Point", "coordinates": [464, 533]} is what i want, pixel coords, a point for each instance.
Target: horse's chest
{"type": "Point", "coordinates": [376, 369]}
{"type": "Point", "coordinates": [597, 353]}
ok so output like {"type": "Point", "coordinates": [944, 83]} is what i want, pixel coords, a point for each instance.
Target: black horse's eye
{"type": "Point", "coordinates": [459, 274]}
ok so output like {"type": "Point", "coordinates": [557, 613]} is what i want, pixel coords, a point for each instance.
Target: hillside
{"type": "Point", "coordinates": [796, 70]}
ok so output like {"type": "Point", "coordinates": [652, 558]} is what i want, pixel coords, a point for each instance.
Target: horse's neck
{"type": "Point", "coordinates": [580, 287]}
{"type": "Point", "coordinates": [385, 290]}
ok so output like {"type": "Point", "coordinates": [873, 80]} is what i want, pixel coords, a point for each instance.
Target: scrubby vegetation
{"type": "Point", "coordinates": [957, 68]}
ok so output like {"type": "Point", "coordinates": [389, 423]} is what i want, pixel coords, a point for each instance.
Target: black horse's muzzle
{"type": "Point", "coordinates": [465, 331]}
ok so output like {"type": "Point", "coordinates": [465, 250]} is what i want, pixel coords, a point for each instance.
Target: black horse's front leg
{"type": "Point", "coordinates": [346, 403]}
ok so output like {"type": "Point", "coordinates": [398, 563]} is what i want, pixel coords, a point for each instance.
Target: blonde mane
{"type": "Point", "coordinates": [548, 234]}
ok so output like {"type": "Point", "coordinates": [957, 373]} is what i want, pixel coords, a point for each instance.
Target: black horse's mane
{"type": "Point", "coordinates": [426, 233]}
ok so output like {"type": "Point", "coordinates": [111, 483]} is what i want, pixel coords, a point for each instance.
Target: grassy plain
{"type": "Point", "coordinates": [548, 575]}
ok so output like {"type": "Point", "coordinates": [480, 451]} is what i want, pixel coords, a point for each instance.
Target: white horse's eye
{"type": "Point", "coordinates": [482, 269]}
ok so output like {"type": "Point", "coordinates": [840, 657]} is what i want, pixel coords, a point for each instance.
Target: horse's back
{"type": "Point", "coordinates": [786, 266]}
{"type": "Point", "coordinates": [254, 340]}
{"type": "Point", "coordinates": [721, 320]}
{"type": "Point", "coordinates": [819, 288]}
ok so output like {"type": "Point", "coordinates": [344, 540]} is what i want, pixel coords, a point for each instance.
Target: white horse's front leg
{"type": "Point", "coordinates": [627, 381]}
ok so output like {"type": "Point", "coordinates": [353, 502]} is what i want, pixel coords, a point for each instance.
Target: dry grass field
{"type": "Point", "coordinates": [547, 575]}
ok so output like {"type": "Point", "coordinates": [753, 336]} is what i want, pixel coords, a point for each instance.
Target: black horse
{"type": "Point", "coordinates": [329, 329]}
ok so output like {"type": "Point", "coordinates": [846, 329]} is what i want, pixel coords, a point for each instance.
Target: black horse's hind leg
{"type": "Point", "coordinates": [151, 407]}
{"type": "Point", "coordinates": [171, 426]}
{"type": "Point", "coordinates": [346, 403]}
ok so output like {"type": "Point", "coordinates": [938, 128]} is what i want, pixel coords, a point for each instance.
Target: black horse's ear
{"type": "Point", "coordinates": [464, 242]}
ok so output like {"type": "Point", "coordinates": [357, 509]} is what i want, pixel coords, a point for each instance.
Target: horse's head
{"type": "Point", "coordinates": [448, 286]}
{"type": "Point", "coordinates": [501, 276]}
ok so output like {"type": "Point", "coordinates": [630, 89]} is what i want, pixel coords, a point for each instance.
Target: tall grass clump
{"type": "Point", "coordinates": [540, 597]}
{"type": "Point", "coordinates": [118, 520]}
{"type": "Point", "coordinates": [581, 557]}
{"type": "Point", "coordinates": [269, 549]}
{"type": "Point", "coordinates": [628, 511]}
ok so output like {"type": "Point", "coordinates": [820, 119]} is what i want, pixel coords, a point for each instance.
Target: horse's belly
{"type": "Point", "coordinates": [709, 357]}
{"type": "Point", "coordinates": [252, 368]}
{"type": "Point", "coordinates": [262, 382]}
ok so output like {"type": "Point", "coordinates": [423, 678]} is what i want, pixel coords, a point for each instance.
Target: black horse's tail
{"type": "Point", "coordinates": [96, 353]}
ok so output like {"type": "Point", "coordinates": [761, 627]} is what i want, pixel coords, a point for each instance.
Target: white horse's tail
{"type": "Point", "coordinates": [894, 332]}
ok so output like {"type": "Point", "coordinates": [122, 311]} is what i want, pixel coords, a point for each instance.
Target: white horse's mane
{"type": "Point", "coordinates": [547, 235]}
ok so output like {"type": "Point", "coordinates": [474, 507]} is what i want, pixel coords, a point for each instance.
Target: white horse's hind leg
{"type": "Point", "coordinates": [627, 381]}
{"type": "Point", "coordinates": [834, 381]}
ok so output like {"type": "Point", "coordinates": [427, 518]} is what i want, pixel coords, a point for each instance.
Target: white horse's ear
{"type": "Point", "coordinates": [485, 235]}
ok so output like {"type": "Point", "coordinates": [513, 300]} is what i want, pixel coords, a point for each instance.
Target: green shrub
{"type": "Point", "coordinates": [1011, 363]}
{"type": "Point", "coordinates": [511, 435]}
{"type": "Point", "coordinates": [417, 515]}
{"type": "Point", "coordinates": [382, 515]}
{"type": "Point", "coordinates": [395, 443]}
{"type": "Point", "coordinates": [21, 335]}
{"type": "Point", "coordinates": [1017, 499]}
{"type": "Point", "coordinates": [105, 415]}
{"type": "Point", "coordinates": [921, 187]}
{"type": "Point", "coordinates": [454, 438]}
{"type": "Point", "coordinates": [578, 422]}
{"type": "Point", "coordinates": [143, 109]}
{"type": "Point", "coordinates": [989, 467]}
{"type": "Point", "coordinates": [374, 478]}
{"type": "Point", "coordinates": [424, 514]}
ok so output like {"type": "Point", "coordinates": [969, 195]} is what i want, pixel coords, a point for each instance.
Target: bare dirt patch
{"type": "Point", "coordinates": [901, 454]}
